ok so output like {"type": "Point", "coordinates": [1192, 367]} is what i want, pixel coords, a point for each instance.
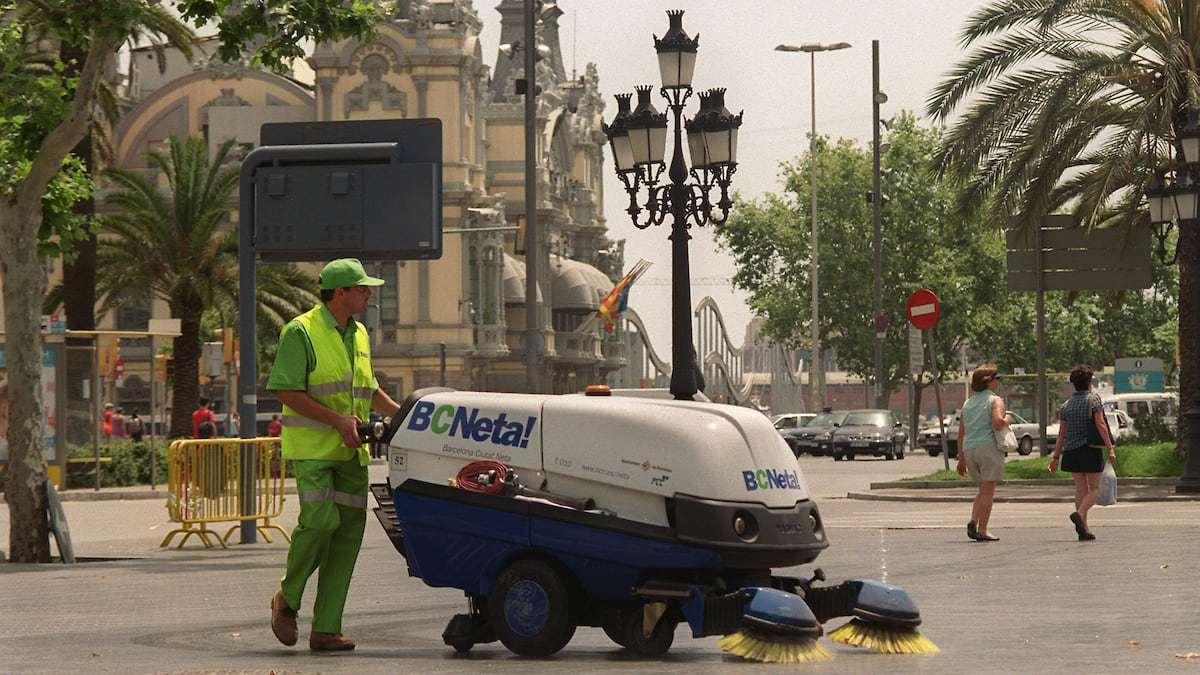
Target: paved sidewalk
{"type": "Point", "coordinates": [1036, 601]}
{"type": "Point", "coordinates": [1044, 490]}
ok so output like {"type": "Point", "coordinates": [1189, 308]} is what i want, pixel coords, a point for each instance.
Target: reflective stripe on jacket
{"type": "Point", "coordinates": [336, 384]}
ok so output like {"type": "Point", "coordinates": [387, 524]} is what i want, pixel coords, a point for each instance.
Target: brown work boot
{"type": "Point", "coordinates": [283, 620]}
{"type": "Point", "coordinates": [329, 642]}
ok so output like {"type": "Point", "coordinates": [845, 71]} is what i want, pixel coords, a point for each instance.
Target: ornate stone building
{"type": "Point", "coordinates": [467, 309]}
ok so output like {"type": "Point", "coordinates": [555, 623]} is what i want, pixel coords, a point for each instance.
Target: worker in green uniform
{"type": "Point", "coordinates": [324, 378]}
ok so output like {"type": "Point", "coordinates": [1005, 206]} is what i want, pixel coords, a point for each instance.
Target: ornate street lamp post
{"type": "Point", "coordinates": [638, 139]}
{"type": "Point", "coordinates": [1179, 202]}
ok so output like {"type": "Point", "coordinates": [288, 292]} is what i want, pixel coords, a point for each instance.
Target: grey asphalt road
{"type": "Point", "coordinates": [1036, 601]}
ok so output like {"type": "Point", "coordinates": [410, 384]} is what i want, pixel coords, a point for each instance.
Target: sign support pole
{"type": "Point", "coordinates": [937, 392]}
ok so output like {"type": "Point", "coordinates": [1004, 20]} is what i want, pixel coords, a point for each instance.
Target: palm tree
{"type": "Point", "coordinates": [1068, 106]}
{"type": "Point", "coordinates": [172, 247]}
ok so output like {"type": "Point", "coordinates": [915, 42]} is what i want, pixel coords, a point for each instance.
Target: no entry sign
{"type": "Point", "coordinates": [923, 309]}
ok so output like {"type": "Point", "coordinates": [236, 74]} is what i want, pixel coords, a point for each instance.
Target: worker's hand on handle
{"type": "Point", "coordinates": [347, 426]}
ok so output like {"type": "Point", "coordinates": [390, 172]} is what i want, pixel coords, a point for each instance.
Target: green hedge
{"type": "Point", "coordinates": [1133, 461]}
{"type": "Point", "coordinates": [129, 465]}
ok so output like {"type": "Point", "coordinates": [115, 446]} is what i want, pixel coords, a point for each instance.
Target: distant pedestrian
{"type": "Point", "coordinates": [118, 423]}
{"type": "Point", "coordinates": [106, 422]}
{"type": "Point", "coordinates": [1084, 462]}
{"type": "Point", "coordinates": [982, 416]}
{"type": "Point", "coordinates": [204, 421]}
{"type": "Point", "coordinates": [275, 426]}
{"type": "Point", "coordinates": [135, 427]}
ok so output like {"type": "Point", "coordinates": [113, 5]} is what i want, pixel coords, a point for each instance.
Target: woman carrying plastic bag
{"type": "Point", "coordinates": [1081, 418]}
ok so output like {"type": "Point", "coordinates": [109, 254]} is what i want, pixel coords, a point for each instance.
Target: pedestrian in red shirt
{"type": "Point", "coordinates": [204, 422]}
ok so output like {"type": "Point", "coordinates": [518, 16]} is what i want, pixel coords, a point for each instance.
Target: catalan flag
{"type": "Point", "coordinates": [617, 299]}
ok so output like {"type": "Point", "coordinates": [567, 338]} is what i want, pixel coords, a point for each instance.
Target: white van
{"type": "Point", "coordinates": [1161, 404]}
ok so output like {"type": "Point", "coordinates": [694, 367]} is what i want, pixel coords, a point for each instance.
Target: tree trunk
{"type": "Point", "coordinates": [25, 475]}
{"type": "Point", "coordinates": [187, 368]}
{"type": "Point", "coordinates": [1187, 334]}
{"type": "Point", "coordinates": [79, 304]}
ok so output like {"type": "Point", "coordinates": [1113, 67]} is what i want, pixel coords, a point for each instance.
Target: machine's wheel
{"type": "Point", "coordinates": [890, 453]}
{"type": "Point", "coordinates": [635, 639]}
{"type": "Point", "coordinates": [850, 456]}
{"type": "Point", "coordinates": [530, 609]}
{"type": "Point", "coordinates": [462, 646]}
{"type": "Point", "coordinates": [837, 456]}
{"type": "Point", "coordinates": [900, 453]}
{"type": "Point", "coordinates": [1025, 446]}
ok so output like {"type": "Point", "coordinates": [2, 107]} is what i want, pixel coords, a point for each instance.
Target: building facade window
{"type": "Point", "coordinates": [485, 269]}
{"type": "Point", "coordinates": [389, 294]}
{"type": "Point", "coordinates": [134, 316]}
{"type": "Point", "coordinates": [490, 291]}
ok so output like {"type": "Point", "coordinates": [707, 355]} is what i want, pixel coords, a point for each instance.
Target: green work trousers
{"type": "Point", "coordinates": [333, 516]}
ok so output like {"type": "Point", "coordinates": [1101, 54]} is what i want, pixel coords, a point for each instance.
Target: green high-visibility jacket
{"type": "Point", "coordinates": [335, 383]}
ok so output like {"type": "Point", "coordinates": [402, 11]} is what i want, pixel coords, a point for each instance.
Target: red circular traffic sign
{"type": "Point", "coordinates": [923, 309]}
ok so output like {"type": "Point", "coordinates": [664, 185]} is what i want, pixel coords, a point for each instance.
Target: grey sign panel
{"type": "Point", "coordinates": [369, 211]}
{"type": "Point", "coordinates": [1075, 259]}
{"type": "Point", "coordinates": [316, 197]}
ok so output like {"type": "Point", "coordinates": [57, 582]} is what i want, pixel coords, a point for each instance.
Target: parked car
{"type": "Point", "coordinates": [815, 438]}
{"type": "Point", "coordinates": [1027, 433]}
{"type": "Point", "coordinates": [1119, 424]}
{"type": "Point", "coordinates": [869, 432]}
{"type": "Point", "coordinates": [930, 440]}
{"type": "Point", "coordinates": [787, 424]}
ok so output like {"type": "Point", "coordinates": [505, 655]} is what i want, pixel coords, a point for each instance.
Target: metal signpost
{"type": "Point", "coordinates": [923, 311]}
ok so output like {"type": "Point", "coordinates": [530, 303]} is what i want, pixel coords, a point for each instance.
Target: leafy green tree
{"type": "Point", "coordinates": [170, 247]}
{"type": "Point", "coordinates": [159, 28]}
{"type": "Point", "coordinates": [1066, 106]}
{"type": "Point", "coordinates": [98, 28]}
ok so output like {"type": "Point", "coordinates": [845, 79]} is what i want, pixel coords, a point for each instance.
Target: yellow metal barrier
{"type": "Point", "coordinates": [204, 483]}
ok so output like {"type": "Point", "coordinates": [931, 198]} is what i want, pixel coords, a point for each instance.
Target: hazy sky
{"type": "Point", "coordinates": [918, 45]}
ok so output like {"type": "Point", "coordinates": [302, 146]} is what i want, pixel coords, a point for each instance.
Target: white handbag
{"type": "Point", "coordinates": [1006, 440]}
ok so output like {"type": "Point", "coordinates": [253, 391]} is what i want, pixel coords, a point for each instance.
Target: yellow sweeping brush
{"type": "Point", "coordinates": [774, 648]}
{"type": "Point", "coordinates": [886, 639]}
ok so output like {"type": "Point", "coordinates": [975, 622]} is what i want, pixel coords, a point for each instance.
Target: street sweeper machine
{"type": "Point", "coordinates": [628, 514]}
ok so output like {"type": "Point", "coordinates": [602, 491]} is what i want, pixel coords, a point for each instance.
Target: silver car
{"type": "Point", "coordinates": [1027, 433]}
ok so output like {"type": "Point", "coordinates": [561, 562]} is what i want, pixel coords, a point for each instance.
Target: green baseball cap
{"type": "Point", "coordinates": [344, 273]}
